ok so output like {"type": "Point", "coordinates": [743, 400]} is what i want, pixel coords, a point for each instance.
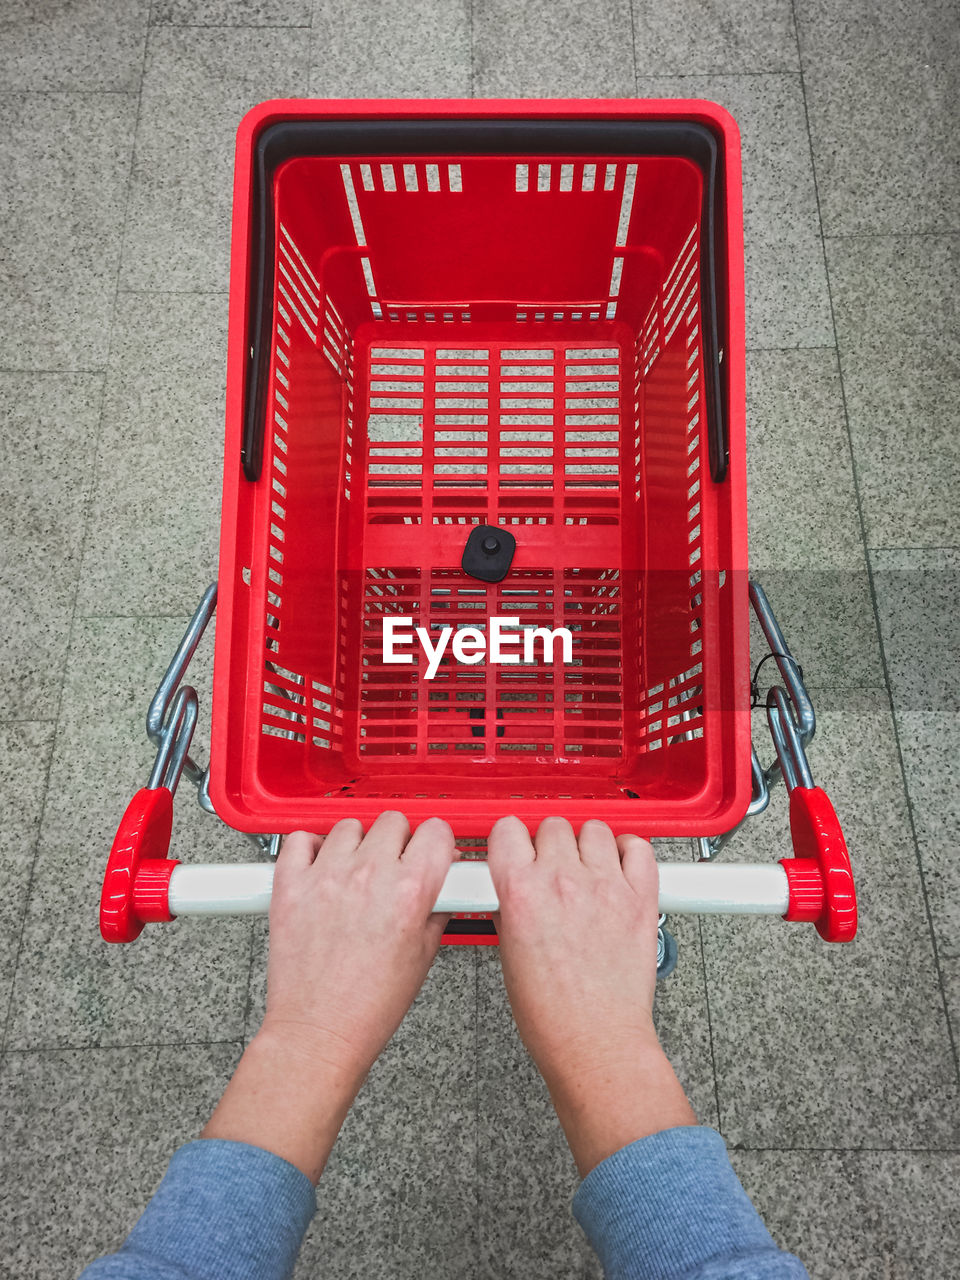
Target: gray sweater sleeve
{"type": "Point", "coordinates": [224, 1211]}
{"type": "Point", "coordinates": [670, 1207]}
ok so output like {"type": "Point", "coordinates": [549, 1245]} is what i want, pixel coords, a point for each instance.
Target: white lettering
{"type": "Point", "coordinates": [548, 638]}
{"type": "Point", "coordinates": [470, 644]}
{"type": "Point", "coordinates": [390, 641]}
{"type": "Point", "coordinates": [498, 640]}
{"type": "Point", "coordinates": [434, 654]}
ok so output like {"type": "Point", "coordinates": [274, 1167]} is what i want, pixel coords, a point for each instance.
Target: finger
{"type": "Point", "coordinates": [556, 843]}
{"type": "Point", "coordinates": [598, 848]}
{"type": "Point", "coordinates": [387, 837]}
{"type": "Point", "coordinates": [430, 851]}
{"type": "Point", "coordinates": [509, 848]}
{"type": "Point", "coordinates": [433, 838]}
{"type": "Point", "coordinates": [640, 867]}
{"type": "Point", "coordinates": [344, 839]}
{"type": "Point", "coordinates": [297, 851]}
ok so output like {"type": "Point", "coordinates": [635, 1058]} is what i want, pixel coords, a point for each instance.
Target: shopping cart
{"type": "Point", "coordinates": [485, 361]}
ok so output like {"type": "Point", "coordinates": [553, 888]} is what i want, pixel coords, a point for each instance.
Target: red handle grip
{"type": "Point", "coordinates": [819, 874]}
{"type": "Point", "coordinates": [137, 878]}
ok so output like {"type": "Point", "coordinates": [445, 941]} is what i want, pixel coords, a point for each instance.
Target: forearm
{"type": "Point", "coordinates": [235, 1205]}
{"type": "Point", "coordinates": [606, 1101]}
{"type": "Point", "coordinates": [289, 1095]}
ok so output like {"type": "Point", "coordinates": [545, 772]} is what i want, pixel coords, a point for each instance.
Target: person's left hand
{"type": "Point", "coordinates": [352, 936]}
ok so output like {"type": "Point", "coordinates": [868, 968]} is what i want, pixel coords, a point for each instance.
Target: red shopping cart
{"type": "Point", "coordinates": [485, 367]}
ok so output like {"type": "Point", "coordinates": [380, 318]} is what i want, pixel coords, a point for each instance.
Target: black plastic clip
{"type": "Point", "coordinates": [488, 554]}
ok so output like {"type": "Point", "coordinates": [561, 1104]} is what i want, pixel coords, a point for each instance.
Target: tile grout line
{"type": "Point", "coordinates": [231, 26]}
{"type": "Point", "coordinates": [182, 616]}
{"type": "Point", "coordinates": [476, 1098]}
{"type": "Point", "coordinates": [796, 349]}
{"type": "Point", "coordinates": [120, 291]}
{"type": "Point", "coordinates": [633, 45]}
{"type": "Point", "coordinates": [28, 887]}
{"type": "Point", "coordinates": [853, 1151]}
{"type": "Point", "coordinates": [248, 998]}
{"type": "Point", "coordinates": [65, 93]}
{"type": "Point", "coordinates": [945, 232]}
{"type": "Point", "coordinates": [174, 293]}
{"type": "Point", "coordinates": [473, 72]}
{"type": "Point", "coordinates": [910, 815]}
{"type": "Point", "coordinates": [870, 578]}
{"type": "Point", "coordinates": [929, 547]}
{"type": "Point", "coordinates": [706, 1001]}
{"type": "Point", "coordinates": [88, 511]}
{"type": "Point", "coordinates": [85, 537]}
{"type": "Point", "coordinates": [717, 75]}
{"type": "Point", "coordinates": [120, 1048]}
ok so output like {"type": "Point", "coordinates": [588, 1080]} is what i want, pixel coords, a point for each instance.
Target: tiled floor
{"type": "Point", "coordinates": [831, 1072]}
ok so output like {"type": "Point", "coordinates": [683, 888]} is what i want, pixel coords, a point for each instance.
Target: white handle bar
{"type": "Point", "coordinates": [217, 889]}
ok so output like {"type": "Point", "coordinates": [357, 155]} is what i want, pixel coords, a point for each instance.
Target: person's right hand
{"type": "Point", "coordinates": [578, 942]}
{"type": "Point", "coordinates": [352, 936]}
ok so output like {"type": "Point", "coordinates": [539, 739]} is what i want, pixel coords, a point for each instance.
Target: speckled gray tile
{"type": "Point", "coordinates": [800, 486]}
{"type": "Point", "coordinates": [66, 160]}
{"type": "Point", "coordinates": [47, 444]}
{"type": "Point", "coordinates": [930, 745]}
{"type": "Point", "coordinates": [90, 44]}
{"type": "Point", "coordinates": [896, 309]}
{"type": "Point", "coordinates": [24, 758]}
{"type": "Point", "coordinates": [688, 37]}
{"type": "Point", "coordinates": [902, 414]}
{"type": "Point", "coordinates": [787, 300]}
{"type": "Point", "coordinates": [417, 49]}
{"type": "Point", "coordinates": [170, 333]}
{"type": "Point", "coordinates": [559, 49]}
{"type": "Point", "coordinates": [180, 982]}
{"type": "Point", "coordinates": [881, 88]}
{"type": "Point", "coordinates": [894, 291]}
{"type": "Point", "coordinates": [527, 1176]}
{"type": "Point", "coordinates": [836, 1046]}
{"type": "Point", "coordinates": [198, 83]}
{"type": "Point", "coordinates": [87, 1137]}
{"type": "Point", "coordinates": [805, 541]}
{"type": "Point", "coordinates": [155, 518]}
{"type": "Point", "coordinates": [920, 623]}
{"type": "Point", "coordinates": [856, 1215]}
{"type": "Point", "coordinates": [950, 981]}
{"type": "Point", "coordinates": [398, 1197]}
{"type": "Point", "coordinates": [231, 13]}
{"type": "Point", "coordinates": [917, 593]}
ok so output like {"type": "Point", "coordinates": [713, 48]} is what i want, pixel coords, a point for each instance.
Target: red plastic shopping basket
{"type": "Point", "coordinates": [522, 315]}
{"type": "Point", "coordinates": [485, 361]}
